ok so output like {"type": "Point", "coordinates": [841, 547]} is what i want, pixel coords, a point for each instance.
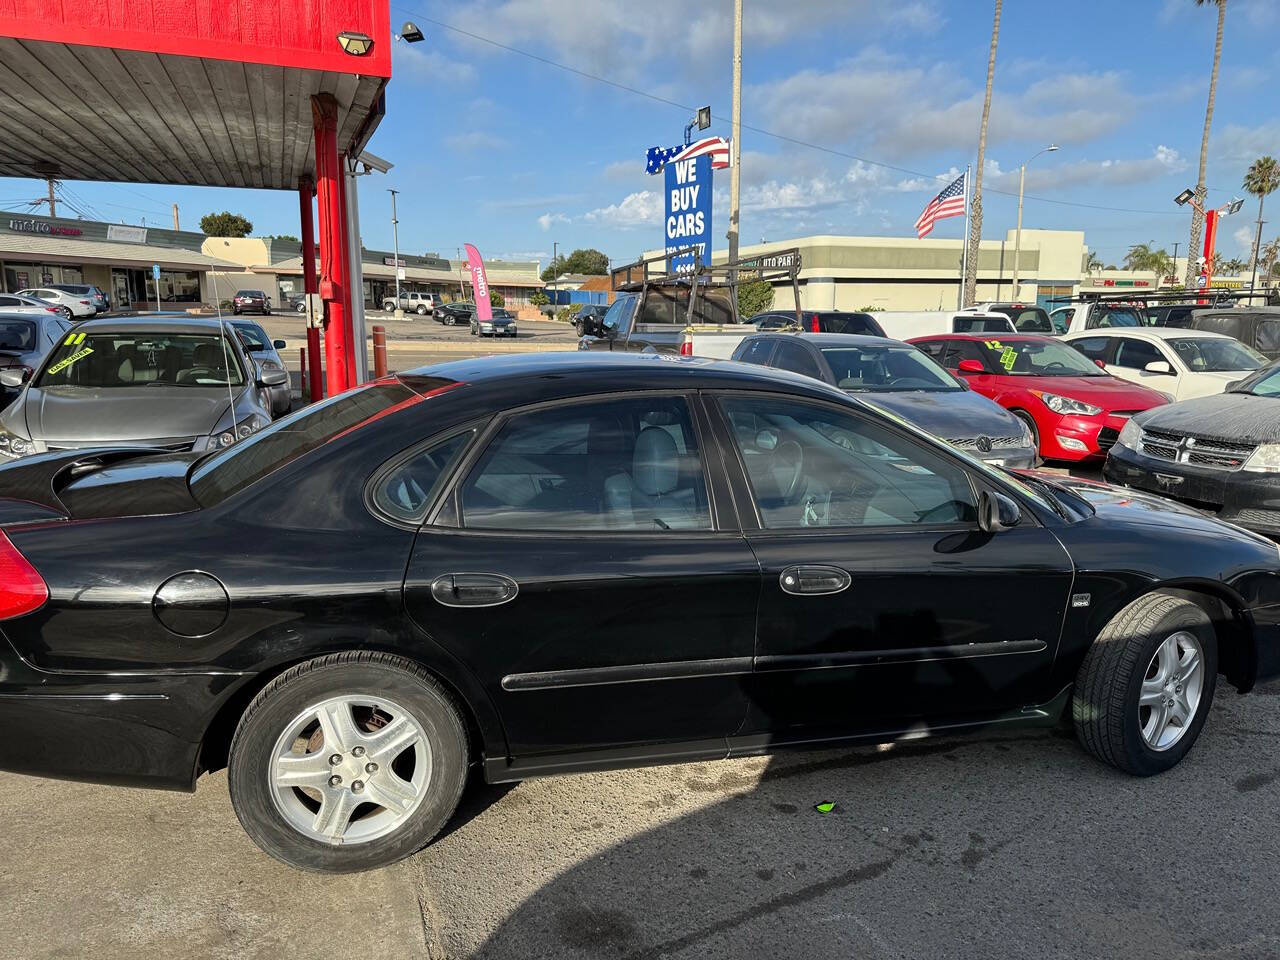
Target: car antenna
{"type": "Point", "coordinates": [226, 358]}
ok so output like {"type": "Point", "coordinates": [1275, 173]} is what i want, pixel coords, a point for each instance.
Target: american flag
{"type": "Point", "coordinates": [718, 147]}
{"type": "Point", "coordinates": [948, 203]}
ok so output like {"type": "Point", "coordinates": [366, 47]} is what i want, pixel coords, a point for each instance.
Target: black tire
{"type": "Point", "coordinates": [422, 311]}
{"type": "Point", "coordinates": [363, 672]}
{"type": "Point", "coordinates": [1031, 425]}
{"type": "Point", "coordinates": [1104, 703]}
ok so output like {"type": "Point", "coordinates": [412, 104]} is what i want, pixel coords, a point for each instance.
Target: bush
{"type": "Point", "coordinates": [754, 297]}
{"type": "Point", "coordinates": [496, 299]}
{"type": "Point", "coordinates": [870, 310]}
{"type": "Point", "coordinates": [539, 299]}
{"type": "Point", "coordinates": [569, 313]}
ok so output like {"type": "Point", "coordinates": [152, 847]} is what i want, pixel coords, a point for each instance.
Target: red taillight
{"type": "Point", "coordinates": [52, 309]}
{"type": "Point", "coordinates": [813, 324]}
{"type": "Point", "coordinates": [85, 302]}
{"type": "Point", "coordinates": [22, 589]}
{"type": "Point", "coordinates": [686, 348]}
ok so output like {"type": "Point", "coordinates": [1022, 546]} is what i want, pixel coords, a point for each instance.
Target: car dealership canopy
{"type": "Point", "coordinates": [281, 95]}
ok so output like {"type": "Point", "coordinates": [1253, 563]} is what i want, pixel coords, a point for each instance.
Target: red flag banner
{"type": "Point", "coordinates": [479, 284]}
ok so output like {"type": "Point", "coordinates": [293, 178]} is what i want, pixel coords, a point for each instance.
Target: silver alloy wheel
{"type": "Point", "coordinates": [1171, 690]}
{"type": "Point", "coordinates": [350, 769]}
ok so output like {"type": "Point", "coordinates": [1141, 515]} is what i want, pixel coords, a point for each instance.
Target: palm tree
{"type": "Point", "coordinates": [1161, 264]}
{"type": "Point", "coordinates": [1197, 218]}
{"type": "Point", "coordinates": [1269, 254]}
{"type": "Point", "coordinates": [975, 206]}
{"type": "Point", "coordinates": [1138, 257]}
{"type": "Point", "coordinates": [1262, 178]}
{"type": "Point", "coordinates": [1092, 263]}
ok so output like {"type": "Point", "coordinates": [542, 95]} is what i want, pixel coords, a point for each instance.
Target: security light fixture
{"type": "Point", "coordinates": [356, 44]}
{"type": "Point", "coordinates": [410, 33]}
{"type": "Point", "coordinates": [1184, 197]}
{"type": "Point", "coordinates": [704, 118]}
{"type": "Point", "coordinates": [1235, 205]}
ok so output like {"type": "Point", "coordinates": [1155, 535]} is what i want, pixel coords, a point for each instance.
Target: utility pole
{"type": "Point", "coordinates": [555, 271]}
{"type": "Point", "coordinates": [53, 206]}
{"type": "Point", "coordinates": [735, 148]}
{"type": "Point", "coordinates": [395, 248]}
{"type": "Point", "coordinates": [175, 217]}
{"type": "Point", "coordinates": [1175, 261]}
{"type": "Point", "coordinates": [1017, 243]}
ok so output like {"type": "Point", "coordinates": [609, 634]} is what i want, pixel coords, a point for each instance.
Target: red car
{"type": "Point", "coordinates": [1074, 409]}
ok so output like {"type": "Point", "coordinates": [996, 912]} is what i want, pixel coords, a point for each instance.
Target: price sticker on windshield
{"type": "Point", "coordinates": [1008, 358]}
{"type": "Point", "coordinates": [72, 341]}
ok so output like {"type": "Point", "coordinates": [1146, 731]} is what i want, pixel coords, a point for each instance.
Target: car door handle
{"type": "Point", "coordinates": [814, 579]}
{"type": "Point", "coordinates": [473, 589]}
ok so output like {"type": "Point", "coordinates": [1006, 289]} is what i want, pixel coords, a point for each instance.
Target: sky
{"type": "Point", "coordinates": [855, 112]}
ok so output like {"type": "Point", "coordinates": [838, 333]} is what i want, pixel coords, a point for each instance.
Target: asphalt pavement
{"type": "Point", "coordinates": [1010, 846]}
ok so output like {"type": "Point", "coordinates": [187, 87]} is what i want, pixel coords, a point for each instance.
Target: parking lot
{"type": "Point", "coordinates": [1012, 845]}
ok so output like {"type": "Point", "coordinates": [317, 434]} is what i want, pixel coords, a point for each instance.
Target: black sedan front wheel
{"type": "Point", "coordinates": [348, 762]}
{"type": "Point", "coordinates": [1146, 685]}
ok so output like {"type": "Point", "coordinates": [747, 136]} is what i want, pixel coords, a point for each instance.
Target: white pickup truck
{"type": "Point", "coordinates": [1094, 314]}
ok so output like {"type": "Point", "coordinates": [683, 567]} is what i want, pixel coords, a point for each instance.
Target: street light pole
{"type": "Point", "coordinates": [735, 149]}
{"type": "Point", "coordinates": [555, 271]}
{"type": "Point", "coordinates": [395, 247]}
{"type": "Point", "coordinates": [1017, 241]}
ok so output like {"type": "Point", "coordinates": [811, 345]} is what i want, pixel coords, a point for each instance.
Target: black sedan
{"type": "Point", "coordinates": [1219, 453]}
{"type": "Point", "coordinates": [569, 562]}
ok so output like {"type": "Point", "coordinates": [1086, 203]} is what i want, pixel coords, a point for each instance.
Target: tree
{"type": "Point", "coordinates": [1261, 179]}
{"type": "Point", "coordinates": [1138, 257]}
{"type": "Point", "coordinates": [286, 236]}
{"type": "Point", "coordinates": [754, 296]}
{"type": "Point", "coordinates": [538, 299]}
{"type": "Point", "coordinates": [588, 261]}
{"type": "Point", "coordinates": [1093, 262]}
{"type": "Point", "coordinates": [1234, 265]}
{"type": "Point", "coordinates": [496, 299]}
{"type": "Point", "coordinates": [1269, 255]}
{"type": "Point", "coordinates": [225, 224]}
{"type": "Point", "coordinates": [1197, 218]}
{"type": "Point", "coordinates": [975, 207]}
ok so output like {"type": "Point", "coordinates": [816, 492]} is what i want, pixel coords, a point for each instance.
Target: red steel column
{"type": "Point", "coordinates": [1210, 242]}
{"type": "Point", "coordinates": [348, 295]}
{"type": "Point", "coordinates": [333, 255]}
{"type": "Point", "coordinates": [306, 193]}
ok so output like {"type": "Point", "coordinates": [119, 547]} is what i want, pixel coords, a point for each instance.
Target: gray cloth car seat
{"type": "Point", "coordinates": [649, 496]}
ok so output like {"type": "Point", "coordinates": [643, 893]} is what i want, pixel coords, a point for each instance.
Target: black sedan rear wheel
{"type": "Point", "coordinates": [1146, 685]}
{"type": "Point", "coordinates": [348, 762]}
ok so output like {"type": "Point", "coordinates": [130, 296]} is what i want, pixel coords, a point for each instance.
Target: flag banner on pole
{"type": "Point", "coordinates": [479, 284]}
{"type": "Point", "coordinates": [948, 203]}
{"type": "Point", "coordinates": [717, 147]}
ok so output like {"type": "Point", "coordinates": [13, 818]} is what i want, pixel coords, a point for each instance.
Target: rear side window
{"type": "Point", "coordinates": [621, 465]}
{"type": "Point", "coordinates": [859, 323]}
{"type": "Point", "coordinates": [1095, 348]}
{"type": "Point", "coordinates": [408, 488]}
{"type": "Point", "coordinates": [757, 351]}
{"type": "Point", "coordinates": [1136, 354]}
{"type": "Point", "coordinates": [793, 357]}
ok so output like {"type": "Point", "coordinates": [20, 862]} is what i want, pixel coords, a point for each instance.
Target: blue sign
{"type": "Point", "coordinates": [688, 212]}
{"type": "Point", "coordinates": [155, 271]}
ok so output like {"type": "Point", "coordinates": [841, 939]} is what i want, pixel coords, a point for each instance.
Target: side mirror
{"type": "Point", "coordinates": [14, 376]}
{"type": "Point", "coordinates": [971, 366]}
{"type": "Point", "coordinates": [1103, 366]}
{"type": "Point", "coordinates": [273, 378]}
{"type": "Point", "coordinates": [1158, 366]}
{"type": "Point", "coordinates": [996, 512]}
{"type": "Point", "coordinates": [278, 344]}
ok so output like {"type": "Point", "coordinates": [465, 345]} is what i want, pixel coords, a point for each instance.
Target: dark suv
{"type": "Point", "coordinates": [820, 321]}
{"type": "Point", "coordinates": [250, 301]}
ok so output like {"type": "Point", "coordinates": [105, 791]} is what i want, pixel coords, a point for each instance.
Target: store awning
{"type": "Point", "coordinates": [170, 91]}
{"type": "Point", "coordinates": [31, 249]}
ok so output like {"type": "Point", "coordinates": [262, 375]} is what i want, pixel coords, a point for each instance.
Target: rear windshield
{"type": "Point", "coordinates": [859, 323]}
{"type": "Point", "coordinates": [1118, 317]}
{"type": "Point", "coordinates": [17, 335]}
{"type": "Point", "coordinates": [125, 359]}
{"type": "Point", "coordinates": [980, 325]}
{"type": "Point", "coordinates": [1027, 319]}
{"type": "Point", "coordinates": [227, 472]}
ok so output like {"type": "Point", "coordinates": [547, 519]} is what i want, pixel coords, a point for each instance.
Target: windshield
{"type": "Point", "coordinates": [17, 335]}
{"type": "Point", "coordinates": [1027, 319]}
{"type": "Point", "coordinates": [882, 369]}
{"type": "Point", "coordinates": [226, 472]}
{"type": "Point", "coordinates": [125, 359]}
{"type": "Point", "coordinates": [1208, 355]}
{"type": "Point", "coordinates": [1264, 383]}
{"type": "Point", "coordinates": [1038, 358]}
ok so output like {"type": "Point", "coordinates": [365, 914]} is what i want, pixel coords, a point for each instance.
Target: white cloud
{"type": "Point", "coordinates": [474, 140]}
{"type": "Point", "coordinates": [548, 220]}
{"type": "Point", "coordinates": [640, 209]}
{"type": "Point", "coordinates": [428, 65]}
{"type": "Point", "coordinates": [1244, 238]}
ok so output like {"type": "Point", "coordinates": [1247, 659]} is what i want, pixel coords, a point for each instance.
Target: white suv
{"type": "Point", "coordinates": [413, 302]}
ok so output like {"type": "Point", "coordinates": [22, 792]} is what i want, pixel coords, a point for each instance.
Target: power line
{"type": "Point", "coordinates": [626, 88]}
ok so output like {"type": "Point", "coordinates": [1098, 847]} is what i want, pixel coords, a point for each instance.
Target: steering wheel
{"type": "Point", "coordinates": [1056, 366]}
{"type": "Point", "coordinates": [911, 383]}
{"type": "Point", "coordinates": [787, 465]}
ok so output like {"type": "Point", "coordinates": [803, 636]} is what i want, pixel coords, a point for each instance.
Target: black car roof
{"type": "Point", "coordinates": [569, 373]}
{"type": "Point", "coordinates": [821, 340]}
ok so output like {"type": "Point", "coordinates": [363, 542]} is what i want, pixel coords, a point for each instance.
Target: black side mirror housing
{"type": "Point", "coordinates": [996, 512]}
{"type": "Point", "coordinates": [278, 344]}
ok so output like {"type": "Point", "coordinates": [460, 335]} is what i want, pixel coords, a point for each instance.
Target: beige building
{"type": "Point", "coordinates": [275, 266]}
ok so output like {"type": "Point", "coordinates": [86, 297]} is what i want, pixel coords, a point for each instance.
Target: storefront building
{"type": "Point", "coordinates": [275, 265]}
{"type": "Point", "coordinates": [117, 258]}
